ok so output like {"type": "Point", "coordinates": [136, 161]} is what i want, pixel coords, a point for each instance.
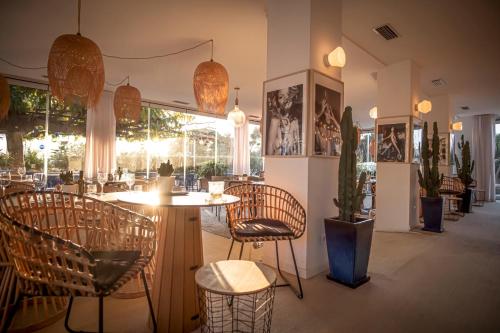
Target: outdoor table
{"type": "Point", "coordinates": [179, 254]}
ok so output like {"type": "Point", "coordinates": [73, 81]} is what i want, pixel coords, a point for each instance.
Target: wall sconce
{"type": "Point", "coordinates": [336, 57]}
{"type": "Point", "coordinates": [425, 106]}
{"type": "Point", "coordinates": [236, 116]}
{"type": "Point", "coordinates": [373, 112]}
{"type": "Point", "coordinates": [456, 126]}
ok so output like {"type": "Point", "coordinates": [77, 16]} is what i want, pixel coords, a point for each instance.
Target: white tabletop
{"type": "Point", "coordinates": [235, 277]}
{"type": "Point", "coordinates": [192, 199]}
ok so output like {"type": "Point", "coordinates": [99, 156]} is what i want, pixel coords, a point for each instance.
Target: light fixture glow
{"type": "Point", "coordinates": [456, 126]}
{"type": "Point", "coordinates": [424, 106]}
{"type": "Point", "coordinates": [373, 112]}
{"type": "Point", "coordinates": [337, 57]}
{"type": "Point", "coordinates": [236, 116]}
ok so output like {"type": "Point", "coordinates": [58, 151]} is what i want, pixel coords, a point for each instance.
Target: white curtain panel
{"type": "Point", "coordinates": [241, 151]}
{"type": "Point", "coordinates": [483, 141]}
{"type": "Point", "coordinates": [100, 149]}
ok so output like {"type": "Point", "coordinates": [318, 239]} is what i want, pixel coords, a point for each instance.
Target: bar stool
{"type": "Point", "coordinates": [235, 296]}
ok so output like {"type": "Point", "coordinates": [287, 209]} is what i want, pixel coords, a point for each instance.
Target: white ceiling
{"type": "Point", "coordinates": [144, 28]}
{"type": "Point", "coordinates": [454, 40]}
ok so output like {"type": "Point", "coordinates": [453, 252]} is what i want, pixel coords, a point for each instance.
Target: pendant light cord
{"type": "Point", "coordinates": [79, 10]}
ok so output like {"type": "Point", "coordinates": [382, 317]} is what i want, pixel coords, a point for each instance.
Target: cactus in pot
{"type": "Point", "coordinates": [464, 172]}
{"type": "Point", "coordinates": [430, 180]}
{"type": "Point", "coordinates": [350, 194]}
{"type": "Point", "coordinates": [165, 180]}
{"type": "Point", "coordinates": [348, 237]}
{"type": "Point", "coordinates": [68, 184]}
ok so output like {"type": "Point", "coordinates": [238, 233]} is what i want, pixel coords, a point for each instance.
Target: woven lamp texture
{"type": "Point", "coordinates": [76, 70]}
{"type": "Point", "coordinates": [4, 97]}
{"type": "Point", "coordinates": [127, 103]}
{"type": "Point", "coordinates": [211, 84]}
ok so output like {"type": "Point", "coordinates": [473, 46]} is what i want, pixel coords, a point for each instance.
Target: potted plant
{"type": "Point", "coordinates": [464, 172]}
{"type": "Point", "coordinates": [68, 184]}
{"type": "Point", "coordinates": [349, 237]}
{"type": "Point", "coordinates": [430, 181]}
{"type": "Point", "coordinates": [166, 181]}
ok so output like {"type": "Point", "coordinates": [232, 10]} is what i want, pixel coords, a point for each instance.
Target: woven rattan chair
{"type": "Point", "coordinates": [266, 213]}
{"type": "Point", "coordinates": [62, 244]}
{"type": "Point", "coordinates": [19, 187]}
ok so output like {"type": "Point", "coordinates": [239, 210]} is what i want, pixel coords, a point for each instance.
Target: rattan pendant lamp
{"type": "Point", "coordinates": [211, 85]}
{"type": "Point", "coordinates": [127, 102]}
{"type": "Point", "coordinates": [4, 97]}
{"type": "Point", "coordinates": [76, 69]}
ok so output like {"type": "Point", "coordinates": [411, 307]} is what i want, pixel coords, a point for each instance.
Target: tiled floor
{"type": "Point", "coordinates": [420, 282]}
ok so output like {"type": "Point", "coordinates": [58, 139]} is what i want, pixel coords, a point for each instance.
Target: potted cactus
{"type": "Point", "coordinates": [165, 180]}
{"type": "Point", "coordinates": [68, 184]}
{"type": "Point", "coordinates": [348, 236]}
{"type": "Point", "coordinates": [464, 172]}
{"type": "Point", "coordinates": [430, 181]}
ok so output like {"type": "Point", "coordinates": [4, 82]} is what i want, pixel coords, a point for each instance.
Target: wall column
{"type": "Point", "coordinates": [300, 34]}
{"type": "Point", "coordinates": [397, 184]}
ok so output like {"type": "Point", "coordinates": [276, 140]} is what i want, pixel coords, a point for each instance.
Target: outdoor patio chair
{"type": "Point", "coordinates": [65, 245]}
{"type": "Point", "coordinates": [266, 213]}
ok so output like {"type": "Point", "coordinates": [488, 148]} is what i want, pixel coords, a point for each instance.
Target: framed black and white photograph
{"type": "Point", "coordinates": [444, 148]}
{"type": "Point", "coordinates": [392, 140]}
{"type": "Point", "coordinates": [417, 140]}
{"type": "Point", "coordinates": [285, 115]}
{"type": "Point", "coordinates": [327, 110]}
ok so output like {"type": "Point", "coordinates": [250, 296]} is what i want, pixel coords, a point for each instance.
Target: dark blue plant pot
{"type": "Point", "coordinates": [466, 201]}
{"type": "Point", "coordinates": [432, 209]}
{"type": "Point", "coordinates": [348, 247]}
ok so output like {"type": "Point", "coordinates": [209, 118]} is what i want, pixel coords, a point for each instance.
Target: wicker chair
{"type": "Point", "coordinates": [266, 213]}
{"type": "Point", "coordinates": [66, 245]}
{"type": "Point", "coordinates": [19, 187]}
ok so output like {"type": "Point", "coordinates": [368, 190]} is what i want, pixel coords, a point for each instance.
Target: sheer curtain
{"type": "Point", "coordinates": [241, 151]}
{"type": "Point", "coordinates": [483, 141]}
{"type": "Point", "coordinates": [100, 152]}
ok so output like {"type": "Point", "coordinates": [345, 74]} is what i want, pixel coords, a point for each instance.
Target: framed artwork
{"type": "Point", "coordinates": [417, 140]}
{"type": "Point", "coordinates": [443, 148]}
{"type": "Point", "coordinates": [285, 101]}
{"type": "Point", "coordinates": [393, 139]}
{"type": "Point", "coordinates": [327, 106]}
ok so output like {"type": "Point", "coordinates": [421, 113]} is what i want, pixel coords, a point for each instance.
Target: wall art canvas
{"type": "Point", "coordinates": [327, 139]}
{"type": "Point", "coordinates": [327, 105]}
{"type": "Point", "coordinates": [417, 142]}
{"type": "Point", "coordinates": [391, 142]}
{"type": "Point", "coordinates": [285, 116]}
{"type": "Point", "coordinates": [444, 149]}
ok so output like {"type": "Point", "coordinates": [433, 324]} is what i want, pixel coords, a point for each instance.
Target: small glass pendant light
{"type": "Point", "coordinates": [236, 116]}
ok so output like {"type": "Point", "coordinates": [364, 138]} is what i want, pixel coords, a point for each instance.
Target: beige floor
{"type": "Point", "coordinates": [420, 282]}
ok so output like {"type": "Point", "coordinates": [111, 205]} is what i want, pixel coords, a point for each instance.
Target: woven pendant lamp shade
{"type": "Point", "coordinates": [211, 84]}
{"type": "Point", "coordinates": [127, 103]}
{"type": "Point", "coordinates": [4, 97]}
{"type": "Point", "coordinates": [76, 70]}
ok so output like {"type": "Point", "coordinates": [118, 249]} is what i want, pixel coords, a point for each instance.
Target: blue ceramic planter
{"type": "Point", "coordinates": [432, 209]}
{"type": "Point", "coordinates": [348, 247]}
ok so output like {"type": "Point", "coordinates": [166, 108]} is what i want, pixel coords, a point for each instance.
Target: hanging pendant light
{"type": "Point", "coordinates": [236, 116]}
{"type": "Point", "coordinates": [211, 85]}
{"type": "Point", "coordinates": [127, 102]}
{"type": "Point", "coordinates": [4, 98]}
{"type": "Point", "coordinates": [76, 69]}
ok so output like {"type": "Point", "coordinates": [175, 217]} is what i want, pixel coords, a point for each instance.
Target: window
{"type": "Point", "coordinates": [255, 142]}
{"type": "Point", "coordinates": [366, 153]}
{"type": "Point", "coordinates": [497, 159]}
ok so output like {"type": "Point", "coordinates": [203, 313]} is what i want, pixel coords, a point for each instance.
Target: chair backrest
{"type": "Point", "coordinates": [452, 184]}
{"type": "Point", "coordinates": [19, 187]}
{"type": "Point", "coordinates": [115, 187]}
{"type": "Point", "coordinates": [258, 201]}
{"type": "Point", "coordinates": [51, 236]}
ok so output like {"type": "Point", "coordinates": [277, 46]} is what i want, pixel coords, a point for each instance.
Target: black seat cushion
{"type": "Point", "coordinates": [262, 228]}
{"type": "Point", "coordinates": [111, 265]}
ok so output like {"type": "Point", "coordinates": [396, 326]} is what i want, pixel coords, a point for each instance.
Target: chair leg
{"type": "Point", "coordinates": [241, 249]}
{"type": "Point", "coordinates": [68, 313]}
{"type": "Point", "coordinates": [101, 314]}
{"type": "Point", "coordinates": [12, 313]}
{"type": "Point", "coordinates": [230, 249]}
{"type": "Point", "coordinates": [150, 303]}
{"type": "Point", "coordinates": [299, 293]}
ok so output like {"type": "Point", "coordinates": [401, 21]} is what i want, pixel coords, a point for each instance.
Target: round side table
{"type": "Point", "coordinates": [235, 296]}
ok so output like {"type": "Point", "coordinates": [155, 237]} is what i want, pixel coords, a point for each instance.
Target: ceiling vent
{"type": "Point", "coordinates": [386, 31]}
{"type": "Point", "coordinates": [180, 102]}
{"type": "Point", "coordinates": [438, 82]}
{"type": "Point", "coordinates": [465, 108]}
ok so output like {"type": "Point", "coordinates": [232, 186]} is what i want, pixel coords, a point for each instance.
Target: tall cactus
{"type": "Point", "coordinates": [430, 180]}
{"type": "Point", "coordinates": [464, 170]}
{"type": "Point", "coordinates": [350, 194]}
